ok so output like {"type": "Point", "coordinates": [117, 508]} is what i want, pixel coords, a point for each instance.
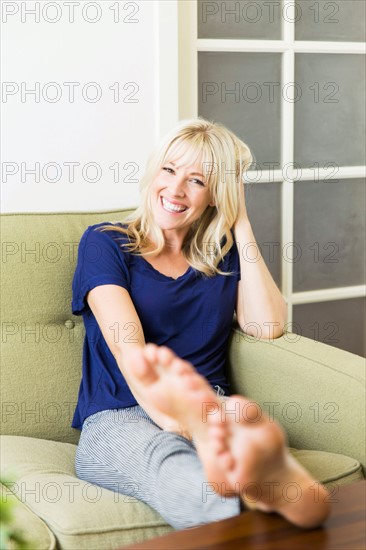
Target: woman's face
{"type": "Point", "coordinates": [180, 195]}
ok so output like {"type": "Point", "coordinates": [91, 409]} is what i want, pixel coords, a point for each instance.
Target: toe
{"type": "Point", "coordinates": [226, 460]}
{"type": "Point", "coordinates": [165, 355]}
{"type": "Point", "coordinates": [179, 366]}
{"type": "Point", "coordinates": [150, 352]}
{"type": "Point", "coordinates": [141, 368]}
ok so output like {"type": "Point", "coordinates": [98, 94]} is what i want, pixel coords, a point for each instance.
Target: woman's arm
{"type": "Point", "coordinates": [116, 314]}
{"type": "Point", "coordinates": [260, 304]}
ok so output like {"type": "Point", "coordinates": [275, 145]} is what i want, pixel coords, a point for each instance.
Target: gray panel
{"type": "Point", "coordinates": [263, 202]}
{"type": "Point", "coordinates": [239, 19]}
{"type": "Point", "coordinates": [341, 20]}
{"type": "Point", "coordinates": [252, 112]}
{"type": "Point", "coordinates": [329, 234]}
{"type": "Point", "coordinates": [340, 323]}
{"type": "Point", "coordinates": [330, 110]}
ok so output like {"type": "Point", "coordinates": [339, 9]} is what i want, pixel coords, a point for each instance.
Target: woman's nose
{"type": "Point", "coordinates": [178, 186]}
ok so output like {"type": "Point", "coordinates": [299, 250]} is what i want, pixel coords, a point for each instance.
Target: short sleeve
{"type": "Point", "coordinates": [100, 261]}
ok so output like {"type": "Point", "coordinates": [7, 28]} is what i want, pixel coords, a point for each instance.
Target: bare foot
{"type": "Point", "coordinates": [261, 469]}
{"type": "Point", "coordinates": [173, 386]}
{"type": "Point", "coordinates": [240, 449]}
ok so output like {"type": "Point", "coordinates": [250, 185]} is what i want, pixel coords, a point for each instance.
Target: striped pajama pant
{"type": "Point", "coordinates": [125, 451]}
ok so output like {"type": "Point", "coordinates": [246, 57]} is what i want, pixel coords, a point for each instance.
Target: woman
{"type": "Point", "coordinates": [157, 419]}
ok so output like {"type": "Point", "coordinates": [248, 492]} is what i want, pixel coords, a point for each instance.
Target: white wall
{"type": "Point", "coordinates": [133, 44]}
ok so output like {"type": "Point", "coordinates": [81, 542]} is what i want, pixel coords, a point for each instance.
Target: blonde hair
{"type": "Point", "coordinates": [224, 159]}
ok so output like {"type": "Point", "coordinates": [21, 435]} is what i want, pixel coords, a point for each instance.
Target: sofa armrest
{"type": "Point", "coordinates": [315, 391]}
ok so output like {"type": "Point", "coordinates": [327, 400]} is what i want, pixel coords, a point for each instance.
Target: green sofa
{"type": "Point", "coordinates": [315, 391]}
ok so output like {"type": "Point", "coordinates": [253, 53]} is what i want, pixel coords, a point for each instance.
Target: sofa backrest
{"type": "Point", "coordinates": [41, 341]}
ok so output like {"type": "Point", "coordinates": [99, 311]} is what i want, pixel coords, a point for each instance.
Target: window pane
{"type": "Point", "coordinates": [340, 323]}
{"type": "Point", "coordinates": [329, 234]}
{"type": "Point", "coordinates": [338, 20]}
{"type": "Point", "coordinates": [237, 89]}
{"type": "Point", "coordinates": [239, 19]}
{"type": "Point", "coordinates": [263, 202]}
{"type": "Point", "coordinates": [330, 109]}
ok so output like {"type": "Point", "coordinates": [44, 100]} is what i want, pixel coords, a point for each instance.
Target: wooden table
{"type": "Point", "coordinates": [344, 530]}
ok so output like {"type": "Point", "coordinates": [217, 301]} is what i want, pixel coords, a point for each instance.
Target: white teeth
{"type": "Point", "coordinates": [171, 207]}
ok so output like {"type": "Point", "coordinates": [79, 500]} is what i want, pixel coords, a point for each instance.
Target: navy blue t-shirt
{"type": "Point", "coordinates": [192, 315]}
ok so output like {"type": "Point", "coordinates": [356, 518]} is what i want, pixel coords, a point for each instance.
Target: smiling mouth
{"type": "Point", "coordinates": [171, 208]}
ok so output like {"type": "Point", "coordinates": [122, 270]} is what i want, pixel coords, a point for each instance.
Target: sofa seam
{"type": "Point", "coordinates": [92, 530]}
{"type": "Point", "coordinates": [340, 476]}
{"type": "Point", "coordinates": [352, 469]}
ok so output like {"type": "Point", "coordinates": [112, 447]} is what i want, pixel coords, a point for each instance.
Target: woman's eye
{"type": "Point", "coordinates": [171, 171]}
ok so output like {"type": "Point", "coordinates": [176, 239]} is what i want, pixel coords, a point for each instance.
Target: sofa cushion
{"type": "Point", "coordinates": [82, 515]}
